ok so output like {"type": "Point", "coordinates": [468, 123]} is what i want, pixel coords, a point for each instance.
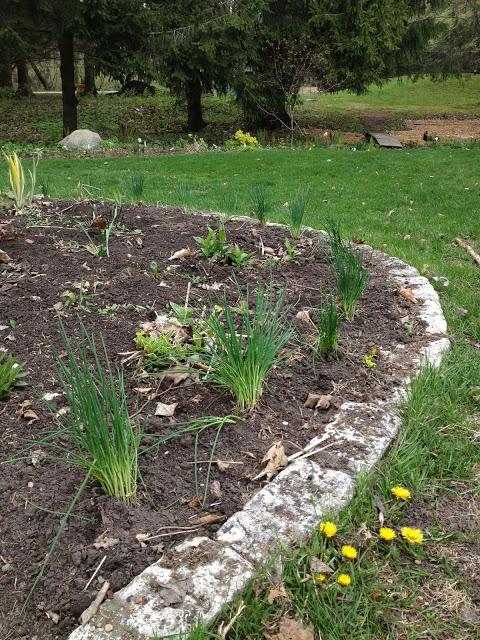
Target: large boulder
{"type": "Point", "coordinates": [81, 139]}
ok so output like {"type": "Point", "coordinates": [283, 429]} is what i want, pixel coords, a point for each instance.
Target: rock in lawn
{"type": "Point", "coordinates": [81, 139]}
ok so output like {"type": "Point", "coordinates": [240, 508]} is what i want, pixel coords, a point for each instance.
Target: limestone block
{"type": "Point", "coordinates": [198, 579]}
{"type": "Point", "coordinates": [288, 507]}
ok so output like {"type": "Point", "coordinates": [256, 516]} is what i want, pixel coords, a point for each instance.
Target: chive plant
{"type": "Point", "coordinates": [260, 203]}
{"type": "Point", "coordinates": [241, 355]}
{"type": "Point", "coordinates": [296, 211]}
{"type": "Point", "coordinates": [328, 321]}
{"type": "Point", "coordinates": [347, 264]}
{"type": "Point", "coordinates": [103, 439]}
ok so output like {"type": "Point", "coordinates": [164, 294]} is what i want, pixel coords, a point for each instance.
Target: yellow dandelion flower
{"type": "Point", "coordinates": [349, 552]}
{"type": "Point", "coordinates": [415, 536]}
{"type": "Point", "coordinates": [400, 493]}
{"type": "Point", "coordinates": [344, 580]}
{"type": "Point", "coordinates": [387, 534]}
{"type": "Point", "coordinates": [328, 528]}
{"type": "Point", "coordinates": [320, 577]}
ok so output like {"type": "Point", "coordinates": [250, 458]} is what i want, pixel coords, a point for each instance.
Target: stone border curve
{"type": "Point", "coordinates": [202, 575]}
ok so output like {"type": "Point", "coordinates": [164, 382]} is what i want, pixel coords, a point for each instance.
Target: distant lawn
{"type": "Point", "coordinates": [457, 96]}
{"type": "Point", "coordinates": [162, 119]}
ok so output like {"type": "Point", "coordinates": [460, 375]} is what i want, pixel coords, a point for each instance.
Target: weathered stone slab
{"type": "Point", "coordinates": [358, 437]}
{"type": "Point", "coordinates": [288, 507]}
{"type": "Point", "coordinates": [196, 581]}
{"type": "Point", "coordinates": [384, 140]}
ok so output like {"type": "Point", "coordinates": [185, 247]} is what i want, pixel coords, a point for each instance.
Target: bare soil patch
{"type": "Point", "coordinates": [48, 257]}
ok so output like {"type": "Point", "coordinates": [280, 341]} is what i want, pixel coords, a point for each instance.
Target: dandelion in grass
{"type": "Point", "coordinates": [349, 552]}
{"type": "Point", "coordinates": [320, 577]}
{"type": "Point", "coordinates": [328, 528]}
{"type": "Point", "coordinates": [344, 579]}
{"type": "Point", "coordinates": [415, 536]}
{"type": "Point", "coordinates": [387, 534]}
{"type": "Point", "coordinates": [400, 493]}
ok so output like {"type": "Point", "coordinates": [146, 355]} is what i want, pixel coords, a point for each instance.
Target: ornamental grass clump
{"type": "Point", "coordinates": [348, 268]}
{"type": "Point", "coordinates": [242, 353]}
{"type": "Point", "coordinates": [103, 438]}
{"type": "Point", "coordinates": [16, 174]}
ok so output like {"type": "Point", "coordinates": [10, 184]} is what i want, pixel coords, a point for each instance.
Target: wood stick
{"type": "Point", "coordinates": [468, 249]}
{"type": "Point", "coordinates": [88, 614]}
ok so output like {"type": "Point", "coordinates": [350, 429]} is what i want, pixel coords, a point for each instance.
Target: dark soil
{"type": "Point", "coordinates": [48, 257]}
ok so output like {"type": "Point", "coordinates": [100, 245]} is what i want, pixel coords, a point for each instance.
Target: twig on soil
{"type": "Point", "coordinates": [95, 573]}
{"type": "Point", "coordinates": [468, 249]}
{"type": "Point", "coordinates": [92, 609]}
{"type": "Point", "coordinates": [172, 533]}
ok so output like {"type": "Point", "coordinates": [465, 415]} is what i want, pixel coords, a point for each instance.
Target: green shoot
{"type": "Point", "coordinates": [215, 244]}
{"type": "Point", "coordinates": [11, 375]}
{"type": "Point", "coordinates": [241, 357]}
{"type": "Point", "coordinates": [186, 191]}
{"type": "Point", "coordinates": [260, 204]}
{"type": "Point", "coordinates": [350, 273]}
{"type": "Point", "coordinates": [296, 211]}
{"type": "Point", "coordinates": [327, 321]}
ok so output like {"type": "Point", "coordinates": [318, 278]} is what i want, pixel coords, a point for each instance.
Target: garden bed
{"type": "Point", "coordinates": [49, 258]}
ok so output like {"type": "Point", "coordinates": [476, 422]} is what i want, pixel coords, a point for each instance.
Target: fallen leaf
{"type": "Point", "coordinates": [177, 375]}
{"type": "Point", "coordinates": [4, 257]}
{"type": "Point", "coordinates": [85, 266]}
{"type": "Point", "coordinates": [91, 249]}
{"type": "Point", "coordinates": [216, 286]}
{"type": "Point", "coordinates": [407, 293]}
{"type": "Point", "coordinates": [210, 518]}
{"type": "Point", "coordinates": [106, 543]}
{"type": "Point", "coordinates": [141, 537]}
{"type": "Point", "coordinates": [273, 594]}
{"type": "Point", "coordinates": [166, 410]}
{"type": "Point", "coordinates": [25, 411]}
{"type": "Point", "coordinates": [183, 253]}
{"type": "Point", "coordinates": [318, 566]}
{"type": "Point", "coordinates": [215, 489]}
{"type": "Point", "coordinates": [311, 400]}
{"type": "Point", "coordinates": [290, 629]}
{"type": "Point", "coordinates": [7, 235]}
{"type": "Point", "coordinates": [194, 502]}
{"type": "Point", "coordinates": [324, 402]}
{"type": "Point", "coordinates": [142, 390]}
{"type": "Point", "coordinates": [275, 460]}
{"type": "Point", "coordinates": [303, 317]}
{"type": "Point", "coordinates": [222, 466]}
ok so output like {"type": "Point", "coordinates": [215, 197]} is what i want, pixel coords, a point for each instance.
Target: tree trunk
{"type": "Point", "coordinates": [40, 76]}
{"type": "Point", "coordinates": [24, 87]}
{"type": "Point", "coordinates": [89, 70]}
{"type": "Point", "coordinates": [193, 92]}
{"type": "Point", "coordinates": [5, 67]}
{"type": "Point", "coordinates": [67, 73]}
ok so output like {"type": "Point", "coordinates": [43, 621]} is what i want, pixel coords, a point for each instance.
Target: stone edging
{"type": "Point", "coordinates": [202, 575]}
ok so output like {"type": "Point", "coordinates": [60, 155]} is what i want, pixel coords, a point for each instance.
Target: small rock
{"type": "Point", "coordinates": [6, 568]}
{"type": "Point", "coordinates": [108, 627]}
{"type": "Point", "coordinates": [77, 558]}
{"type": "Point", "coordinates": [460, 313]}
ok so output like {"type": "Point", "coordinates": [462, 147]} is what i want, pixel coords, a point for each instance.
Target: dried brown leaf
{"type": "Point", "coordinates": [318, 566]}
{"type": "Point", "coordinates": [279, 592]}
{"type": "Point", "coordinates": [166, 410]}
{"type": "Point", "coordinates": [407, 293]}
{"type": "Point", "coordinates": [275, 460]}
